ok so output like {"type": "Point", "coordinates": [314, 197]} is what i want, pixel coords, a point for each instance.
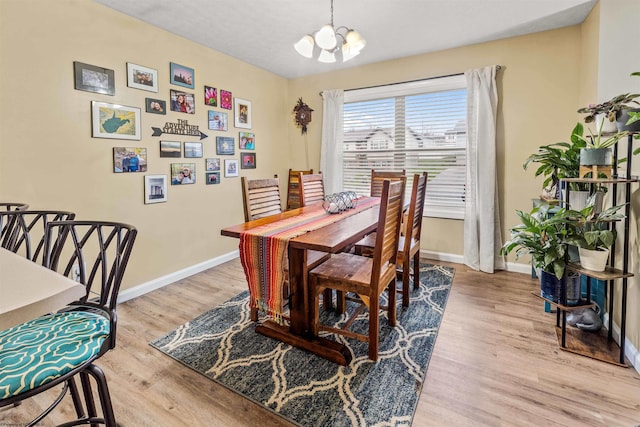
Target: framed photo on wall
{"type": "Point", "coordinates": [115, 121]}
{"type": "Point", "coordinates": [94, 79]}
{"type": "Point", "coordinates": [213, 178]}
{"type": "Point", "coordinates": [170, 149]}
{"type": "Point", "coordinates": [155, 106]}
{"type": "Point", "coordinates": [247, 140]}
{"type": "Point", "coordinates": [182, 76]}
{"type": "Point", "coordinates": [242, 111]}
{"type": "Point", "coordinates": [226, 99]}
{"type": "Point", "coordinates": [230, 167]}
{"type": "Point", "coordinates": [182, 102]}
{"type": "Point", "coordinates": [212, 165]}
{"type": "Point", "coordinates": [192, 149]}
{"type": "Point", "coordinates": [129, 159]}
{"type": "Point", "coordinates": [183, 173]}
{"type": "Point", "coordinates": [155, 189]}
{"type": "Point", "coordinates": [248, 160]}
{"type": "Point", "coordinates": [225, 145]}
{"type": "Point", "coordinates": [218, 120]}
{"type": "Point", "coordinates": [210, 96]}
{"type": "Point", "coordinates": [143, 78]}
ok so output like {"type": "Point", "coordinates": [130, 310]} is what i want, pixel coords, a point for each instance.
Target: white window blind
{"type": "Point", "coordinates": [418, 126]}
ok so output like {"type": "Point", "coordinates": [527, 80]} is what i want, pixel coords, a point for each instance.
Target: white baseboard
{"type": "Point", "coordinates": [630, 351]}
{"type": "Point", "coordinates": [439, 256]}
{"type": "Point", "coordinates": [154, 284]}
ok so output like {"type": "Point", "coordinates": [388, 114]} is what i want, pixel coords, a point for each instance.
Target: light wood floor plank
{"type": "Point", "coordinates": [496, 363]}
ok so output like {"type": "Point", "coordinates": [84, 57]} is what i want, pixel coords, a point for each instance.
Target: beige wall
{"type": "Point", "coordinates": [538, 90]}
{"type": "Point", "coordinates": [49, 159]}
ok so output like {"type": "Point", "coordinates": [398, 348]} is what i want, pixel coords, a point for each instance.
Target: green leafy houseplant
{"type": "Point", "coordinates": [590, 230]}
{"type": "Point", "coordinates": [542, 234]}
{"type": "Point", "coordinates": [597, 141]}
{"type": "Point", "coordinates": [559, 160]}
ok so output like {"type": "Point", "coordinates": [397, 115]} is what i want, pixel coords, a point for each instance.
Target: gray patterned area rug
{"type": "Point", "coordinates": [306, 389]}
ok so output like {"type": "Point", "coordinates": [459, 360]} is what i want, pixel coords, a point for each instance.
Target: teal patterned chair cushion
{"type": "Point", "coordinates": [41, 350]}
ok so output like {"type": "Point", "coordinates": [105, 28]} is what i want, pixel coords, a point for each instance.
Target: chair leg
{"type": "Point", "coordinates": [341, 302]}
{"type": "Point", "coordinates": [327, 299]}
{"type": "Point", "coordinates": [391, 309]}
{"type": "Point", "coordinates": [75, 396]}
{"type": "Point", "coordinates": [85, 381]}
{"type": "Point", "coordinates": [103, 393]}
{"type": "Point", "coordinates": [405, 281]}
{"type": "Point", "coordinates": [416, 270]}
{"type": "Point", "coordinates": [254, 314]}
{"type": "Point", "coordinates": [374, 326]}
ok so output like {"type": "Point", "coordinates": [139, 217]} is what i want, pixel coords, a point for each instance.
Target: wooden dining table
{"type": "Point", "coordinates": [29, 290]}
{"type": "Point", "coordinates": [333, 238]}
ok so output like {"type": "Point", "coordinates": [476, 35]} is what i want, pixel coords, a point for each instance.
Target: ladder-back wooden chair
{"type": "Point", "coordinates": [23, 232]}
{"type": "Point", "coordinates": [56, 348]}
{"type": "Point", "coordinates": [293, 191]}
{"type": "Point", "coordinates": [311, 188]}
{"type": "Point", "coordinates": [377, 177]}
{"type": "Point", "coordinates": [409, 244]}
{"type": "Point", "coordinates": [366, 277]}
{"type": "Point", "coordinates": [261, 197]}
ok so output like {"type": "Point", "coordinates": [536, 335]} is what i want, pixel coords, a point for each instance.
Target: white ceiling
{"type": "Point", "coordinates": [263, 32]}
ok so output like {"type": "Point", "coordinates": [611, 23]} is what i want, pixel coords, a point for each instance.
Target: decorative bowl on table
{"type": "Point", "coordinates": [334, 203]}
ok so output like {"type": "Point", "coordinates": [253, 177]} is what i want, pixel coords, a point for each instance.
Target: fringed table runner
{"type": "Point", "coordinates": [263, 252]}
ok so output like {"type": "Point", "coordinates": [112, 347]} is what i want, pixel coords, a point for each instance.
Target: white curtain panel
{"type": "Point", "coordinates": [331, 150]}
{"type": "Point", "coordinates": [482, 231]}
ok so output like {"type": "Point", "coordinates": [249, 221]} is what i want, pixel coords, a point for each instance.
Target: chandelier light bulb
{"type": "Point", "coordinates": [327, 57]}
{"type": "Point", "coordinates": [355, 41]}
{"type": "Point", "coordinates": [326, 37]}
{"type": "Point", "coordinates": [305, 46]}
{"type": "Point", "coordinates": [348, 53]}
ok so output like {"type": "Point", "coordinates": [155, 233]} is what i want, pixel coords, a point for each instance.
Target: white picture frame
{"type": "Point", "coordinates": [242, 113]}
{"type": "Point", "coordinates": [155, 189]}
{"type": "Point", "coordinates": [115, 121]}
{"type": "Point", "coordinates": [231, 167]}
{"type": "Point", "coordinates": [142, 78]}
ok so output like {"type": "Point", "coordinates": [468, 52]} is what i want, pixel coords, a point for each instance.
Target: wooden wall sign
{"type": "Point", "coordinates": [181, 128]}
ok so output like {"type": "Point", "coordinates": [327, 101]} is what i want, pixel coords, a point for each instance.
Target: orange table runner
{"type": "Point", "coordinates": [263, 252]}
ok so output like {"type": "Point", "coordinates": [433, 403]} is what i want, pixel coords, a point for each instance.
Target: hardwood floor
{"type": "Point", "coordinates": [496, 363]}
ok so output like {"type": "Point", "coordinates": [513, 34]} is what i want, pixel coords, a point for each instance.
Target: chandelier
{"type": "Point", "coordinates": [331, 41]}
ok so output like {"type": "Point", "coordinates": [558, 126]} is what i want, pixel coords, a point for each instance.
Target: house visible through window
{"type": "Point", "coordinates": [417, 126]}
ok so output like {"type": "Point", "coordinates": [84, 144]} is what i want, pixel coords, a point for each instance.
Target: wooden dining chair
{"type": "Point", "coordinates": [56, 348]}
{"type": "Point", "coordinates": [261, 197]}
{"type": "Point", "coordinates": [23, 231]}
{"type": "Point", "coordinates": [409, 244]}
{"type": "Point", "coordinates": [13, 206]}
{"type": "Point", "coordinates": [293, 185]}
{"type": "Point", "coordinates": [366, 277]}
{"type": "Point", "coordinates": [311, 188]}
{"type": "Point", "coordinates": [377, 177]}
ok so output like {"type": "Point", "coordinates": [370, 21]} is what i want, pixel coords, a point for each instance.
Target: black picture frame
{"type": "Point", "coordinates": [155, 106]}
{"type": "Point", "coordinates": [91, 78]}
{"type": "Point", "coordinates": [248, 160]}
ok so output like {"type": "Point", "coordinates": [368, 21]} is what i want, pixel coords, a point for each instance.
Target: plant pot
{"type": "Point", "coordinates": [578, 199]}
{"type": "Point", "coordinates": [550, 286]}
{"type": "Point", "coordinates": [621, 121]}
{"type": "Point", "coordinates": [593, 260]}
{"type": "Point", "coordinates": [595, 156]}
{"type": "Point", "coordinates": [602, 120]}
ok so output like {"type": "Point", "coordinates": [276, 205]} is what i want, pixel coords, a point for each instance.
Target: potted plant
{"type": "Point", "coordinates": [613, 114]}
{"type": "Point", "coordinates": [559, 161]}
{"type": "Point", "coordinates": [597, 150]}
{"type": "Point", "coordinates": [592, 234]}
{"type": "Point", "coordinates": [543, 234]}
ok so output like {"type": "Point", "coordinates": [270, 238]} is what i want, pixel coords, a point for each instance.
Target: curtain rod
{"type": "Point", "coordinates": [498, 68]}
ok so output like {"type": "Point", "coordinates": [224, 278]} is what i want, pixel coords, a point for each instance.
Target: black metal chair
{"type": "Point", "coordinates": [96, 253]}
{"type": "Point", "coordinates": [13, 206]}
{"type": "Point", "coordinates": [23, 232]}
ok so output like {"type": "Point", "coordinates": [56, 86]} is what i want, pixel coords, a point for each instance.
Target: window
{"type": "Point", "coordinates": [417, 126]}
